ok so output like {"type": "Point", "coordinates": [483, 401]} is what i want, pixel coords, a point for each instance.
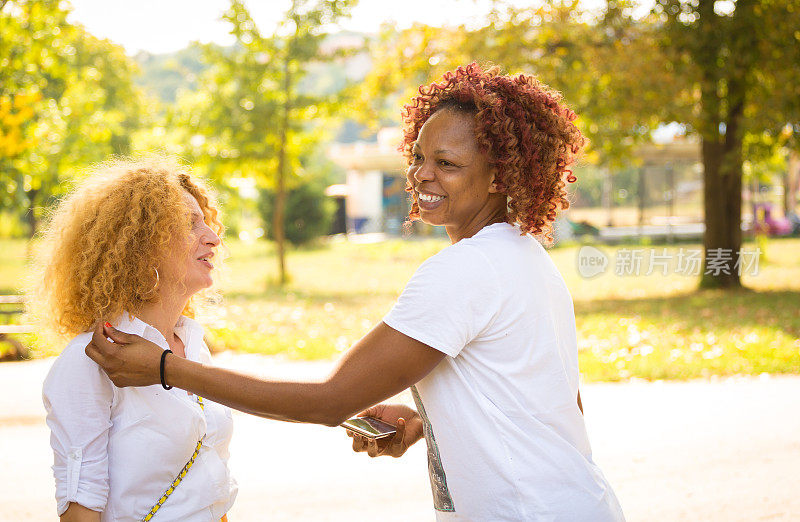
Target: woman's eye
{"type": "Point", "coordinates": [416, 158]}
{"type": "Point", "coordinates": [445, 163]}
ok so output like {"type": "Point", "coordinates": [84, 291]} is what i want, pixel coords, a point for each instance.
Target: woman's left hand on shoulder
{"type": "Point", "coordinates": [129, 360]}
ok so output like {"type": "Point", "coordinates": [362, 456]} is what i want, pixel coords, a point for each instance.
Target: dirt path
{"type": "Point", "coordinates": [724, 450]}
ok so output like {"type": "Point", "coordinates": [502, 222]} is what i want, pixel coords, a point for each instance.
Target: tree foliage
{"type": "Point", "coordinates": [250, 117]}
{"type": "Point", "coordinates": [309, 212]}
{"type": "Point", "coordinates": [722, 69]}
{"type": "Point", "coordinates": [737, 61]}
{"type": "Point", "coordinates": [66, 100]}
{"type": "Point", "coordinates": [598, 71]}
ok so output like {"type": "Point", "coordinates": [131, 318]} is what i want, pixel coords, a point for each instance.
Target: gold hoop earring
{"type": "Point", "coordinates": [158, 280]}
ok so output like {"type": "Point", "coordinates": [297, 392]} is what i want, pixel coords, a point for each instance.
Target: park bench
{"type": "Point", "coordinates": [10, 306]}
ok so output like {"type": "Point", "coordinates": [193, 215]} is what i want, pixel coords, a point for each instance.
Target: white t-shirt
{"type": "Point", "coordinates": [116, 450]}
{"type": "Point", "coordinates": [506, 440]}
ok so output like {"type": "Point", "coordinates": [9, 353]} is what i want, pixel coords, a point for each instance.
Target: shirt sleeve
{"type": "Point", "coordinates": [78, 396]}
{"type": "Point", "coordinates": [450, 300]}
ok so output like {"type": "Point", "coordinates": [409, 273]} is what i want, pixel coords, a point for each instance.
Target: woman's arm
{"type": "Point", "coordinates": [77, 513]}
{"type": "Point", "coordinates": [77, 397]}
{"type": "Point", "coordinates": [380, 365]}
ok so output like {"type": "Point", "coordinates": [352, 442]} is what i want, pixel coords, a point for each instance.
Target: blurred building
{"type": "Point", "coordinates": [374, 188]}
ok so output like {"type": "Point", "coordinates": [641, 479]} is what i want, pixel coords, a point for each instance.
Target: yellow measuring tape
{"type": "Point", "coordinates": [180, 476]}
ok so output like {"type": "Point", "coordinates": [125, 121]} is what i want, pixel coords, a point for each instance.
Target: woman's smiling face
{"type": "Point", "coordinates": [451, 178]}
{"type": "Point", "coordinates": [194, 269]}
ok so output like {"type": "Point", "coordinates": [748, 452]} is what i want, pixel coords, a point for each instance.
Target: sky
{"type": "Point", "coordinates": [162, 26]}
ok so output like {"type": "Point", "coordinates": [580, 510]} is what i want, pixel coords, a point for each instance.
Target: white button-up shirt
{"type": "Point", "coordinates": [118, 449]}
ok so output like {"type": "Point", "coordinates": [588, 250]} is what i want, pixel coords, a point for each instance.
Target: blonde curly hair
{"type": "Point", "coordinates": [100, 249]}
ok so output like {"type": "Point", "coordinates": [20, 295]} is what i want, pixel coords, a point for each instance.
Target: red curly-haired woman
{"type": "Point", "coordinates": [483, 333]}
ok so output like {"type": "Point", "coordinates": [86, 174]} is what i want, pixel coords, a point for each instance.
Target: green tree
{"type": "Point", "coordinates": [81, 103]}
{"type": "Point", "coordinates": [309, 213]}
{"type": "Point", "coordinates": [723, 69]}
{"type": "Point", "coordinates": [736, 59]}
{"type": "Point", "coordinates": [599, 71]}
{"type": "Point", "coordinates": [250, 117]}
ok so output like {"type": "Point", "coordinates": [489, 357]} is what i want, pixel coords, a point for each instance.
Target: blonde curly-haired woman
{"type": "Point", "coordinates": [133, 242]}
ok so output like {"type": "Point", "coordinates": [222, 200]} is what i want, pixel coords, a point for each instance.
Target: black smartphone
{"type": "Point", "coordinates": [370, 427]}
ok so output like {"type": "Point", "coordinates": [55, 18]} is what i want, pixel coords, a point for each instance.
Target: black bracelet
{"type": "Point", "coordinates": [163, 359]}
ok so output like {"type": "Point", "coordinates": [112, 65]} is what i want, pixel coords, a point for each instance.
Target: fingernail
{"type": "Point", "coordinates": [107, 324]}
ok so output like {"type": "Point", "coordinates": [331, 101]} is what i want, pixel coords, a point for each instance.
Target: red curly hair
{"type": "Point", "coordinates": [521, 123]}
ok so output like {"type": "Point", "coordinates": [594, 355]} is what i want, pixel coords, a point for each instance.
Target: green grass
{"type": "Point", "coordinates": [646, 326]}
{"type": "Point", "coordinates": [336, 294]}
{"type": "Point", "coordinates": [690, 335]}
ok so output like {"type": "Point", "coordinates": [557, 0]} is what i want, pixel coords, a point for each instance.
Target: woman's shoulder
{"type": "Point", "coordinates": [75, 348]}
{"type": "Point", "coordinates": [73, 363]}
{"type": "Point", "coordinates": [481, 249]}
{"type": "Point", "coordinates": [464, 255]}
{"type": "Point", "coordinates": [462, 265]}
{"type": "Point", "coordinates": [504, 244]}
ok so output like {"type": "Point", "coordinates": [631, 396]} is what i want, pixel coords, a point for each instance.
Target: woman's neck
{"type": "Point", "coordinates": [457, 233]}
{"type": "Point", "coordinates": [163, 315]}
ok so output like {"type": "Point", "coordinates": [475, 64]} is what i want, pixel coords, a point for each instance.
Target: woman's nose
{"type": "Point", "coordinates": [423, 173]}
{"type": "Point", "coordinates": [211, 238]}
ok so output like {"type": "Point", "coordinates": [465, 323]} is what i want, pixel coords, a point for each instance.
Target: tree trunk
{"type": "Point", "coordinates": [723, 87]}
{"type": "Point", "coordinates": [791, 179]}
{"type": "Point", "coordinates": [671, 193]}
{"type": "Point", "coordinates": [608, 197]}
{"type": "Point", "coordinates": [722, 165]}
{"type": "Point", "coordinates": [642, 199]}
{"type": "Point", "coordinates": [30, 215]}
{"type": "Point", "coordinates": [280, 189]}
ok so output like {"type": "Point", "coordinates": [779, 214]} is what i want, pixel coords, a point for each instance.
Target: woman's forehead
{"type": "Point", "coordinates": [191, 202]}
{"type": "Point", "coordinates": [449, 129]}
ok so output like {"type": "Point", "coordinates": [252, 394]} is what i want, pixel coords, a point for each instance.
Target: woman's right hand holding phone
{"type": "Point", "coordinates": [409, 431]}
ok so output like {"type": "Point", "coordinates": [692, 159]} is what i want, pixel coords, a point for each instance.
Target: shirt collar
{"type": "Point", "coordinates": [186, 328]}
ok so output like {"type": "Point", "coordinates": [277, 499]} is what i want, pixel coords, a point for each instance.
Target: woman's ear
{"type": "Point", "coordinates": [496, 186]}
